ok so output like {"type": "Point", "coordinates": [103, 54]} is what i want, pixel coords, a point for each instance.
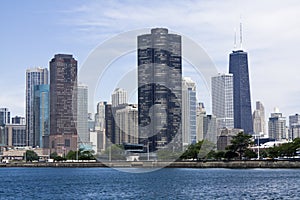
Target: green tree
{"type": "Point", "coordinates": [192, 151]}
{"type": "Point", "coordinates": [230, 155]}
{"type": "Point", "coordinates": [72, 155]}
{"type": "Point", "coordinates": [31, 156]}
{"type": "Point", "coordinates": [250, 154]}
{"type": "Point", "coordinates": [240, 143]}
{"type": "Point", "coordinates": [56, 157]}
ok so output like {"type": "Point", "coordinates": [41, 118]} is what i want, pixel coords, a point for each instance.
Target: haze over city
{"type": "Point", "coordinates": [34, 32]}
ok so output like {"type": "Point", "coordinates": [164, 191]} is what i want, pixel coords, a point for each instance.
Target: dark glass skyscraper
{"type": "Point", "coordinates": [238, 66]}
{"type": "Point", "coordinates": [63, 103]}
{"type": "Point", "coordinates": [159, 89]}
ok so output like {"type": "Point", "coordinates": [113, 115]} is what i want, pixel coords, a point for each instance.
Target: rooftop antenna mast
{"type": "Point", "coordinates": [241, 33]}
{"type": "Point", "coordinates": [234, 46]}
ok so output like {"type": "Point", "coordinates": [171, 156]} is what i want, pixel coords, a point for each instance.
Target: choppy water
{"type": "Point", "coordinates": [107, 183]}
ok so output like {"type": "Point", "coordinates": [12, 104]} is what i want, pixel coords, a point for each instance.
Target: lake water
{"type": "Point", "coordinates": [107, 183]}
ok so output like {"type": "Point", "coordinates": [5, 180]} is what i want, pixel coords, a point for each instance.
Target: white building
{"type": "Point", "coordinates": [200, 113]}
{"type": "Point", "coordinates": [277, 126]}
{"type": "Point", "coordinates": [259, 123]}
{"type": "Point", "coordinates": [222, 100]}
{"type": "Point", "coordinates": [82, 115]}
{"type": "Point", "coordinates": [188, 111]}
{"type": "Point", "coordinates": [119, 97]}
{"type": "Point", "coordinates": [294, 126]}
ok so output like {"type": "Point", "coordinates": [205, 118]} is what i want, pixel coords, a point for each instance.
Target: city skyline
{"type": "Point", "coordinates": [261, 40]}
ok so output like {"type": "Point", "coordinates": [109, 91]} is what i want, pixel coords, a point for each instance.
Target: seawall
{"type": "Point", "coordinates": [152, 164]}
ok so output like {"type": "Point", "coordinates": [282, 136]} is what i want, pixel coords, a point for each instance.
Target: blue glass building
{"type": "Point", "coordinates": [41, 116]}
{"type": "Point", "coordinates": [238, 66]}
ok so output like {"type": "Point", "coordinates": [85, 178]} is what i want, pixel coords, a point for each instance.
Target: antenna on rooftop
{"type": "Point", "coordinates": [241, 32]}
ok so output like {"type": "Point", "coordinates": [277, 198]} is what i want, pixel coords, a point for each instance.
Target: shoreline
{"type": "Point", "coordinates": [161, 164]}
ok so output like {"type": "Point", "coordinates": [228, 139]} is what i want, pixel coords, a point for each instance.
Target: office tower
{"type": "Point", "coordinates": [126, 125]}
{"type": "Point", "coordinates": [200, 114]}
{"type": "Point", "coordinates": [41, 112]}
{"type": "Point", "coordinates": [277, 123]}
{"type": "Point", "coordinates": [82, 116]}
{"type": "Point", "coordinates": [109, 125]}
{"type": "Point", "coordinates": [222, 100]}
{"type": "Point", "coordinates": [4, 116]}
{"type": "Point", "coordinates": [159, 89]}
{"type": "Point", "coordinates": [63, 103]}
{"type": "Point", "coordinates": [210, 131]}
{"type": "Point", "coordinates": [259, 124]}
{"type": "Point", "coordinates": [294, 126]}
{"type": "Point", "coordinates": [18, 120]}
{"type": "Point", "coordinates": [188, 111]}
{"type": "Point", "coordinates": [238, 66]}
{"type": "Point", "coordinates": [34, 76]}
{"type": "Point", "coordinates": [15, 135]}
{"type": "Point", "coordinates": [119, 97]}
{"type": "Point", "coordinates": [100, 116]}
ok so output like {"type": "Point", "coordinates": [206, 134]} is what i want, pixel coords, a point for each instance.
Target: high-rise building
{"type": "Point", "coordinates": [126, 125]}
{"type": "Point", "coordinates": [294, 126]}
{"type": "Point", "coordinates": [189, 128]}
{"type": "Point", "coordinates": [109, 126]}
{"type": "Point", "coordinates": [210, 131]}
{"type": "Point", "coordinates": [159, 89]}
{"type": "Point", "coordinates": [100, 116]}
{"type": "Point", "coordinates": [18, 120]}
{"type": "Point", "coordinates": [222, 100]}
{"type": "Point", "coordinates": [41, 112]}
{"type": "Point", "coordinates": [119, 97]}
{"type": "Point", "coordinates": [201, 113]}
{"type": "Point", "coordinates": [4, 116]}
{"type": "Point", "coordinates": [63, 103]}
{"type": "Point", "coordinates": [34, 76]}
{"type": "Point", "coordinates": [238, 66]}
{"type": "Point", "coordinates": [259, 124]}
{"type": "Point", "coordinates": [277, 126]}
{"type": "Point", "coordinates": [82, 116]}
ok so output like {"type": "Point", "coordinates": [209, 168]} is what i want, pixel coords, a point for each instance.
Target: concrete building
{"type": "Point", "coordinates": [294, 126]}
{"type": "Point", "coordinates": [119, 97]}
{"type": "Point", "coordinates": [4, 116]}
{"type": "Point", "coordinates": [222, 100]}
{"type": "Point", "coordinates": [159, 89]}
{"type": "Point", "coordinates": [210, 131]}
{"type": "Point", "coordinates": [63, 104]}
{"type": "Point", "coordinates": [259, 124]}
{"type": "Point", "coordinates": [200, 114]}
{"type": "Point", "coordinates": [126, 125]}
{"type": "Point", "coordinates": [15, 135]}
{"type": "Point", "coordinates": [18, 120]}
{"type": "Point", "coordinates": [34, 76]}
{"type": "Point", "coordinates": [225, 136]}
{"type": "Point", "coordinates": [82, 116]}
{"type": "Point", "coordinates": [189, 121]}
{"type": "Point", "coordinates": [277, 126]}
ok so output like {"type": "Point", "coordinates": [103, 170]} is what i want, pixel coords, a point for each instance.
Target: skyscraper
{"type": "Point", "coordinates": [41, 112]}
{"type": "Point", "coordinates": [63, 103]}
{"type": "Point", "coordinates": [238, 66]}
{"type": "Point", "coordinates": [119, 97]}
{"type": "Point", "coordinates": [259, 124]}
{"type": "Point", "coordinates": [294, 126]}
{"type": "Point", "coordinates": [277, 123]}
{"type": "Point", "coordinates": [188, 111]}
{"type": "Point", "coordinates": [222, 100]}
{"type": "Point", "coordinates": [159, 89]}
{"type": "Point", "coordinates": [34, 76]}
{"type": "Point", "coordinates": [4, 116]}
{"type": "Point", "coordinates": [200, 114]}
{"type": "Point", "coordinates": [82, 116]}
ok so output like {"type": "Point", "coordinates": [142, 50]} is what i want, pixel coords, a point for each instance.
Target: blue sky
{"type": "Point", "coordinates": [33, 31]}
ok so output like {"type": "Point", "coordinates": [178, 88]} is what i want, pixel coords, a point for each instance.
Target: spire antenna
{"type": "Point", "coordinates": [234, 39]}
{"type": "Point", "coordinates": [241, 32]}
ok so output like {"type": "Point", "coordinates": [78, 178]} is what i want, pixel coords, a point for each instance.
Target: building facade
{"type": "Point", "coordinates": [34, 76]}
{"type": "Point", "coordinates": [200, 114]}
{"type": "Point", "coordinates": [259, 124]}
{"type": "Point", "coordinates": [222, 100]}
{"type": "Point", "coordinates": [41, 112]}
{"type": "Point", "coordinates": [189, 121]}
{"type": "Point", "coordinates": [210, 130]}
{"type": "Point", "coordinates": [238, 66]}
{"type": "Point", "coordinates": [159, 89]}
{"type": "Point", "coordinates": [63, 103]}
{"type": "Point", "coordinates": [18, 120]}
{"type": "Point", "coordinates": [82, 116]}
{"type": "Point", "coordinates": [4, 116]}
{"type": "Point", "coordinates": [277, 126]}
{"type": "Point", "coordinates": [119, 97]}
{"type": "Point", "coordinates": [294, 126]}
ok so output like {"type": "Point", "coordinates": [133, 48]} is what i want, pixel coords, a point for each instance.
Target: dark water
{"type": "Point", "coordinates": [107, 183]}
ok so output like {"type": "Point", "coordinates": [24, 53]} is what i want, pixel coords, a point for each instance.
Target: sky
{"type": "Point", "coordinates": [33, 31]}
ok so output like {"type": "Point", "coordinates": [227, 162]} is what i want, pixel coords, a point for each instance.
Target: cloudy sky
{"type": "Point", "coordinates": [33, 31]}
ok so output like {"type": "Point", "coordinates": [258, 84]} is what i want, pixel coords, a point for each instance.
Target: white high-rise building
{"type": "Point", "coordinates": [200, 114]}
{"type": "Point", "coordinates": [100, 116]}
{"type": "Point", "coordinates": [259, 124]}
{"type": "Point", "coordinates": [189, 121]}
{"type": "Point", "coordinates": [294, 126]}
{"type": "Point", "coordinates": [277, 126]}
{"type": "Point", "coordinates": [82, 115]}
{"type": "Point", "coordinates": [126, 125]}
{"type": "Point", "coordinates": [119, 97]}
{"type": "Point", "coordinates": [34, 76]}
{"type": "Point", "coordinates": [222, 100]}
